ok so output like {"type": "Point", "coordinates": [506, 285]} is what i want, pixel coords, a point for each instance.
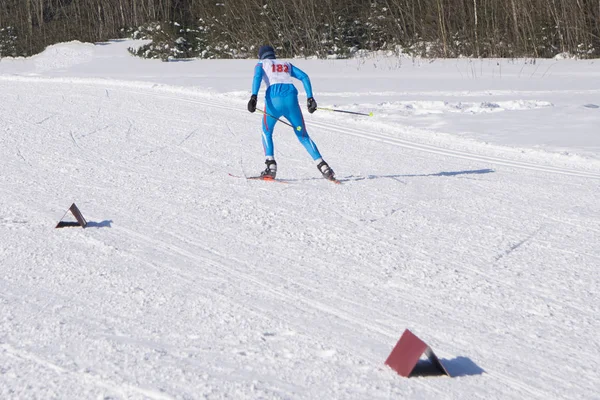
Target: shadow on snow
{"type": "Point", "coordinates": [443, 173]}
{"type": "Point", "coordinates": [457, 367]}
{"type": "Point", "coordinates": [103, 224]}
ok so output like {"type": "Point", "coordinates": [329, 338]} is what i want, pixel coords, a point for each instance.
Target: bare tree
{"type": "Point", "coordinates": [438, 28]}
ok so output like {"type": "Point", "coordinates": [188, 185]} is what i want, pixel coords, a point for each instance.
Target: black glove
{"type": "Point", "coordinates": [311, 104]}
{"type": "Point", "coordinates": [252, 103]}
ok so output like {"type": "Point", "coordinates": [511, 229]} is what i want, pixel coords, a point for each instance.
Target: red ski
{"type": "Point", "coordinates": [269, 179]}
{"type": "Point", "coordinates": [260, 178]}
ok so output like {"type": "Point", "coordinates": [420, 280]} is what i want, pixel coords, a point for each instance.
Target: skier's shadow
{"type": "Point", "coordinates": [443, 173]}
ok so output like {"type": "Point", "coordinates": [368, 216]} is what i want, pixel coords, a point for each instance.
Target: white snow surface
{"type": "Point", "coordinates": [469, 213]}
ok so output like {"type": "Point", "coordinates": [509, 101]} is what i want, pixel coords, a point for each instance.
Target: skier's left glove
{"type": "Point", "coordinates": [311, 103]}
{"type": "Point", "coordinates": [252, 103]}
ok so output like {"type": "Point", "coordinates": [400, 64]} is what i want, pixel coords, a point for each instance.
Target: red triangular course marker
{"type": "Point", "coordinates": [407, 353]}
{"type": "Point", "coordinates": [78, 216]}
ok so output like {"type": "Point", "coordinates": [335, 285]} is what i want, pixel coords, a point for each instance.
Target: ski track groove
{"type": "Point", "coordinates": [350, 322]}
{"type": "Point", "coordinates": [143, 89]}
{"type": "Point", "coordinates": [288, 298]}
{"type": "Point", "coordinates": [454, 153]}
{"type": "Point", "coordinates": [380, 137]}
{"type": "Point", "coordinates": [490, 278]}
{"type": "Point", "coordinates": [123, 389]}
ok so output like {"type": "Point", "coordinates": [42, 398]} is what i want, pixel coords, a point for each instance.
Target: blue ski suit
{"type": "Point", "coordinates": [281, 100]}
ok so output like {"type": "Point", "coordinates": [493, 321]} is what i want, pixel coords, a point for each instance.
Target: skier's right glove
{"type": "Point", "coordinates": [311, 104]}
{"type": "Point", "coordinates": [252, 103]}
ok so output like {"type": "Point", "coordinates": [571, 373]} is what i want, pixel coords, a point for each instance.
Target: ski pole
{"type": "Point", "coordinates": [344, 111]}
{"type": "Point", "coordinates": [298, 128]}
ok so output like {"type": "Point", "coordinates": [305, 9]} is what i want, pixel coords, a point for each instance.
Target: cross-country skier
{"type": "Point", "coordinates": [281, 99]}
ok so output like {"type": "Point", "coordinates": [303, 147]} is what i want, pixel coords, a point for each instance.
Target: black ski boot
{"type": "Point", "coordinates": [326, 171]}
{"type": "Point", "coordinates": [270, 171]}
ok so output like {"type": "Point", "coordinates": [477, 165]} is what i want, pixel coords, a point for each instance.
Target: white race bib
{"type": "Point", "coordinates": [276, 71]}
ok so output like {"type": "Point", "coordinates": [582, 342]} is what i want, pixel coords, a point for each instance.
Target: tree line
{"type": "Point", "coordinates": [233, 28]}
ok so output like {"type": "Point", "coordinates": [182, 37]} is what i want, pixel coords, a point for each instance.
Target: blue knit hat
{"type": "Point", "coordinates": [266, 52]}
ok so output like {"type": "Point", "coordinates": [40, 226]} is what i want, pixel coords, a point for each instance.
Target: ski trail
{"type": "Point", "coordinates": [220, 267]}
{"type": "Point", "coordinates": [453, 153]}
{"type": "Point", "coordinates": [168, 93]}
{"type": "Point", "coordinates": [384, 334]}
{"type": "Point", "coordinates": [365, 134]}
{"type": "Point", "coordinates": [365, 329]}
{"type": "Point", "coordinates": [124, 389]}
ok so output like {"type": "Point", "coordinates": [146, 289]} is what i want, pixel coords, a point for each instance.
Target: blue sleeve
{"type": "Point", "coordinates": [258, 74]}
{"type": "Point", "coordinates": [301, 75]}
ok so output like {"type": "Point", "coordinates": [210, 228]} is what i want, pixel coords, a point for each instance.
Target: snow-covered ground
{"type": "Point", "coordinates": [469, 213]}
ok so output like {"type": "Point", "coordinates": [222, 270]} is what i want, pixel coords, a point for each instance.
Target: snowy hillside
{"type": "Point", "coordinates": [468, 213]}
